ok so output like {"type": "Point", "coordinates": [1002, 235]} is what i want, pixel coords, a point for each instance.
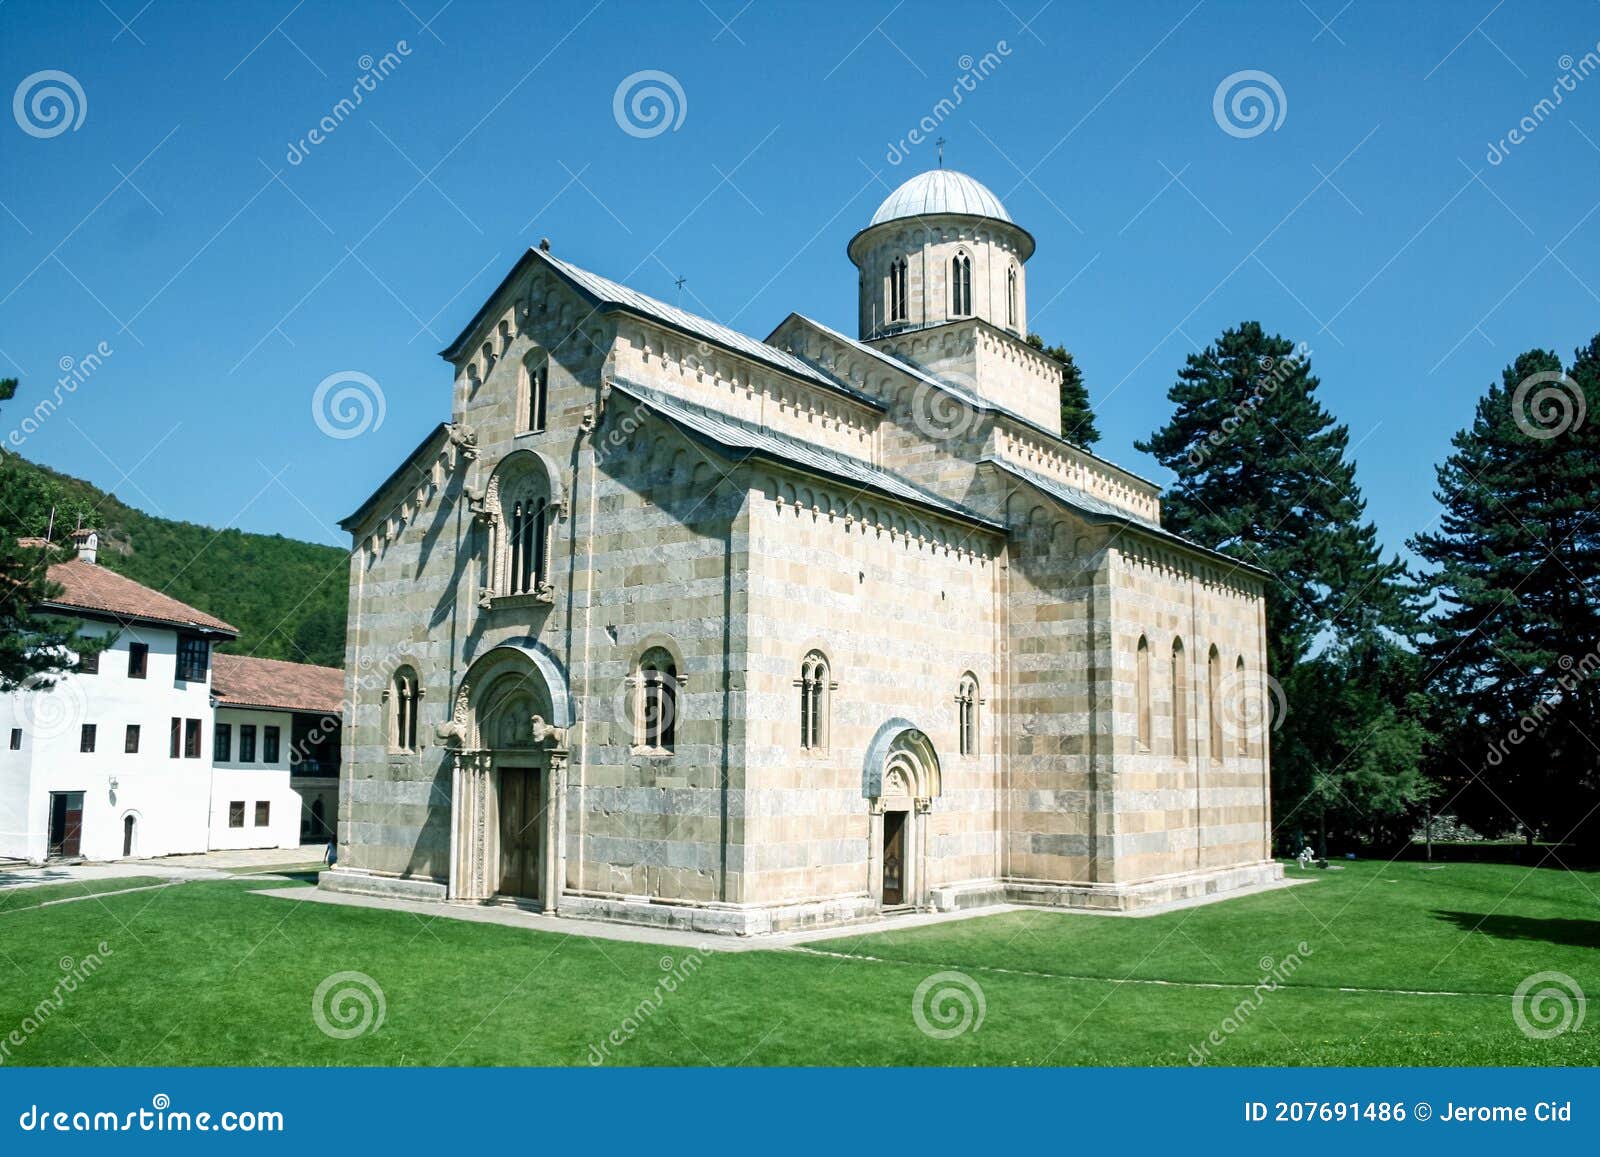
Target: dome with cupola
{"type": "Point", "coordinates": [940, 191]}
{"type": "Point", "coordinates": [941, 249]}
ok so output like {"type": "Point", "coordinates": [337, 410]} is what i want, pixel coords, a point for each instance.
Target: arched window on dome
{"type": "Point", "coordinates": [897, 289]}
{"type": "Point", "coordinates": [960, 285]}
{"type": "Point", "coordinates": [1011, 296]}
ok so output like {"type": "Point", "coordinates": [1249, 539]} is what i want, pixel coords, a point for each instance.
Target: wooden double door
{"type": "Point", "coordinates": [66, 823]}
{"type": "Point", "coordinates": [521, 823]}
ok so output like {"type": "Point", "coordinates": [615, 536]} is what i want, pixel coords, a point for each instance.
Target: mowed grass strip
{"type": "Point", "coordinates": [207, 974]}
{"type": "Point", "coordinates": [33, 895]}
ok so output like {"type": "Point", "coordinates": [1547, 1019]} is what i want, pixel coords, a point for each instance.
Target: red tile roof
{"type": "Point", "coordinates": [87, 586]}
{"type": "Point", "coordinates": [242, 681]}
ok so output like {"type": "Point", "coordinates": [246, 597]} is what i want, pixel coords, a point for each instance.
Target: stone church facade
{"type": "Point", "coordinates": [670, 625]}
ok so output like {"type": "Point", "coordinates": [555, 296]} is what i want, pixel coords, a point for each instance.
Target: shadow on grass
{"type": "Point", "coordinates": [1551, 930]}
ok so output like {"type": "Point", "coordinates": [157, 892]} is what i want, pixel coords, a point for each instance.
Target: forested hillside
{"type": "Point", "coordinates": [287, 597]}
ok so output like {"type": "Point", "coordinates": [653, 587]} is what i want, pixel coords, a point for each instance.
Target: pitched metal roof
{"type": "Point", "coordinates": [607, 295]}
{"type": "Point", "coordinates": [961, 393]}
{"type": "Point", "coordinates": [744, 440]}
{"type": "Point", "coordinates": [1098, 510]}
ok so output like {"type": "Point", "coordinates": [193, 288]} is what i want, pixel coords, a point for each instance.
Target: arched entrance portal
{"type": "Point", "coordinates": [509, 781]}
{"type": "Point", "coordinates": [901, 781]}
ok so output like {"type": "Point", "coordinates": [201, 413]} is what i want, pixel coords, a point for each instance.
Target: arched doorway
{"type": "Point", "coordinates": [129, 834]}
{"type": "Point", "coordinates": [901, 780]}
{"type": "Point", "coordinates": [508, 784]}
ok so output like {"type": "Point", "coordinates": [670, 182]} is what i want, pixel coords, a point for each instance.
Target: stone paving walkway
{"type": "Point", "coordinates": [203, 866]}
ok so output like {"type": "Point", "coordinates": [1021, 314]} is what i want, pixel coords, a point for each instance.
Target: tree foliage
{"type": "Point", "coordinates": [1513, 656]}
{"type": "Point", "coordinates": [1264, 473]}
{"type": "Point", "coordinates": [288, 598]}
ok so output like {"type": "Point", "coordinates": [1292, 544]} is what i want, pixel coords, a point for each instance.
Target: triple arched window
{"type": "Point", "coordinates": [897, 290]}
{"type": "Point", "coordinates": [967, 702]}
{"type": "Point", "coordinates": [815, 686]}
{"type": "Point", "coordinates": [960, 285]}
{"type": "Point", "coordinates": [527, 535]}
{"type": "Point", "coordinates": [518, 511]}
{"type": "Point", "coordinates": [655, 703]}
{"type": "Point", "coordinates": [405, 699]}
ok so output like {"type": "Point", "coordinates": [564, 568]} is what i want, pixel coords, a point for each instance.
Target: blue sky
{"type": "Point", "coordinates": [228, 282]}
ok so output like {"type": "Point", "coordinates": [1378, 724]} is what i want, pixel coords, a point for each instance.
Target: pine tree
{"type": "Point", "coordinates": [1077, 415]}
{"type": "Point", "coordinates": [1514, 654]}
{"type": "Point", "coordinates": [33, 648]}
{"type": "Point", "coordinates": [1263, 473]}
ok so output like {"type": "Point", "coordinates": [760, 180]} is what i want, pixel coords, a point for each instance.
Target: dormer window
{"type": "Point", "coordinates": [960, 285]}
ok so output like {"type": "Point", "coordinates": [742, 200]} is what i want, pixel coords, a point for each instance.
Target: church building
{"type": "Point", "coordinates": [668, 624]}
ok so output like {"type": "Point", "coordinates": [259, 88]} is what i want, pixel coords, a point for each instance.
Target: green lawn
{"type": "Point", "coordinates": [206, 974]}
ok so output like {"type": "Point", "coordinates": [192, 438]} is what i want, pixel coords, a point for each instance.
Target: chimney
{"type": "Point", "coordinates": [88, 543]}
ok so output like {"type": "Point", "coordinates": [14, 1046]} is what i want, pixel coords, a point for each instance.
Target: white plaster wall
{"type": "Point", "coordinates": [168, 797]}
{"type": "Point", "coordinates": [258, 781]}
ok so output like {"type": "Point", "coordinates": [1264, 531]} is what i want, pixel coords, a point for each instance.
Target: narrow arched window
{"type": "Point", "coordinates": [897, 289]}
{"type": "Point", "coordinates": [656, 701]}
{"type": "Point", "coordinates": [1242, 710]}
{"type": "Point", "coordinates": [814, 684]}
{"type": "Point", "coordinates": [1011, 296]}
{"type": "Point", "coordinates": [1214, 702]}
{"type": "Point", "coordinates": [405, 692]}
{"type": "Point", "coordinates": [960, 284]}
{"type": "Point", "coordinates": [532, 404]}
{"type": "Point", "coordinates": [1180, 703]}
{"type": "Point", "coordinates": [1142, 691]}
{"type": "Point", "coordinates": [967, 714]}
